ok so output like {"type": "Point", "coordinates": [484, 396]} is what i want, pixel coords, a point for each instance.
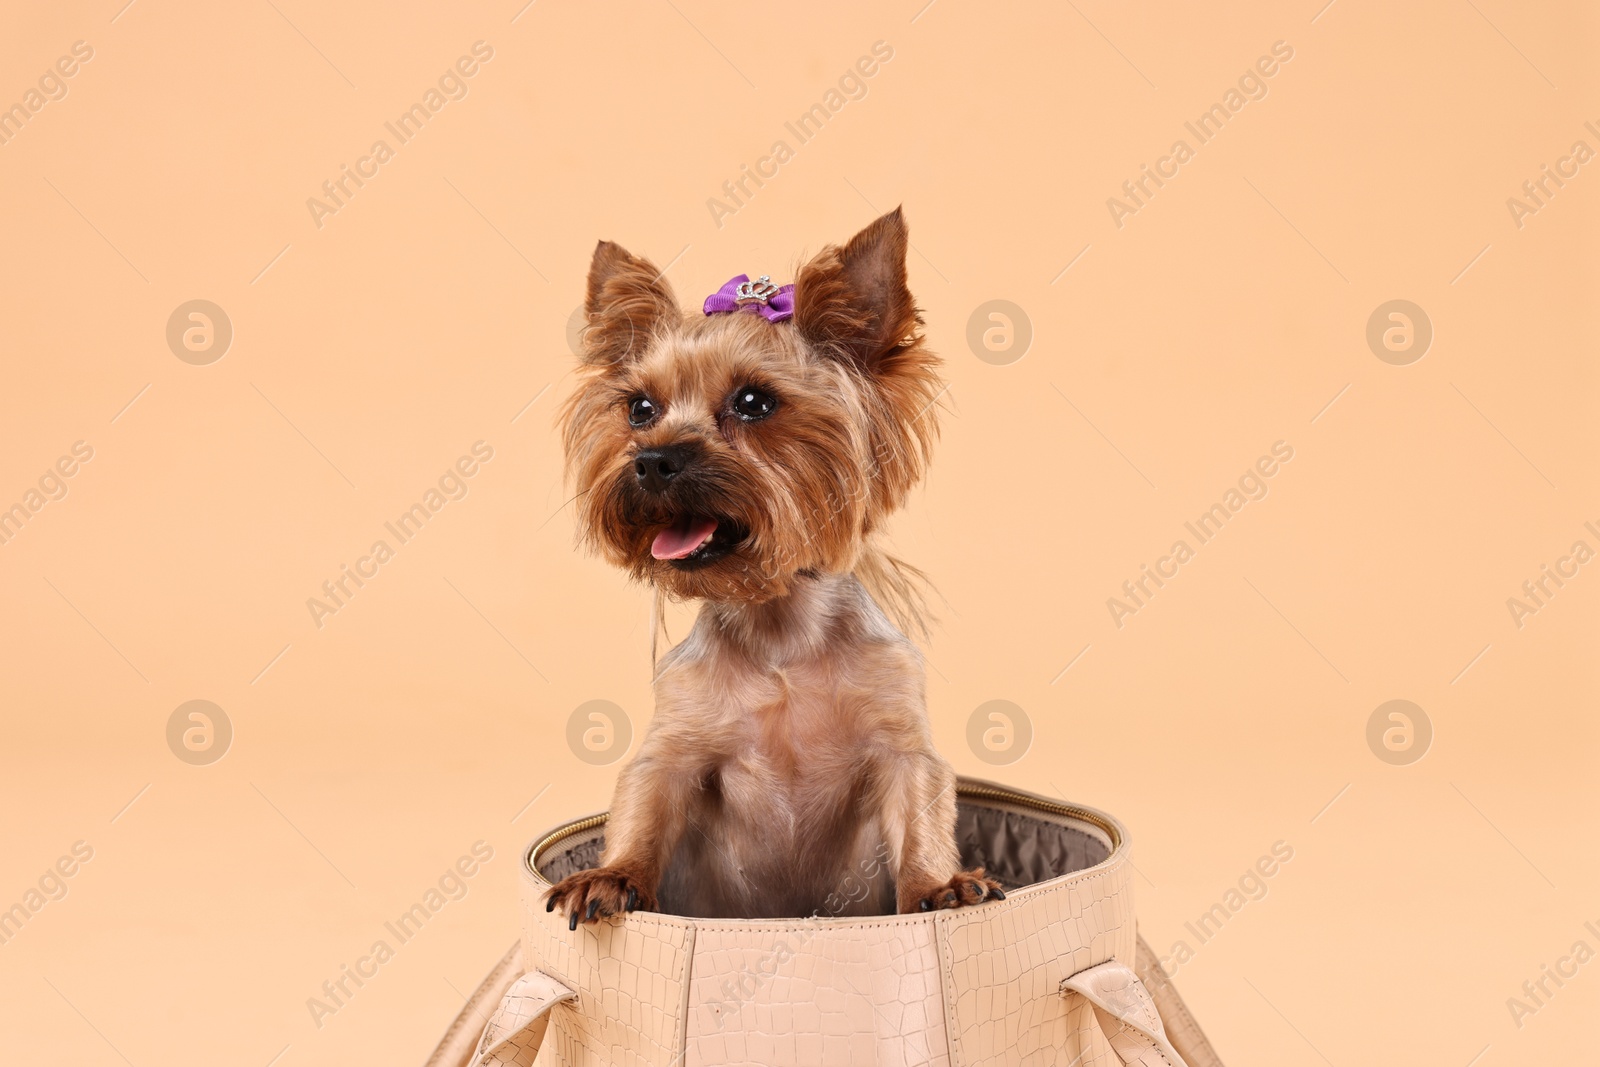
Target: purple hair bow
{"type": "Point", "coordinates": [774, 303]}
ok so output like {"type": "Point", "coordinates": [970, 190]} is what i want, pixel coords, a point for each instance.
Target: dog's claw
{"type": "Point", "coordinates": [600, 892]}
{"type": "Point", "coordinates": [997, 893]}
{"type": "Point", "coordinates": [926, 904]}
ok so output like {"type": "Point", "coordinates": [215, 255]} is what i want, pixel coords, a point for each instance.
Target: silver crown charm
{"type": "Point", "coordinates": [760, 291]}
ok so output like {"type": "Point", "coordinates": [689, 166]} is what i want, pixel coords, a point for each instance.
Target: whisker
{"type": "Point", "coordinates": [562, 508]}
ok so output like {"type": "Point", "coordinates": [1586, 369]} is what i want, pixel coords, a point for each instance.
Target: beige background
{"type": "Point", "coordinates": [427, 314]}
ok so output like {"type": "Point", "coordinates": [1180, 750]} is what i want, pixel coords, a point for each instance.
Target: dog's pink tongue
{"type": "Point", "coordinates": [683, 537]}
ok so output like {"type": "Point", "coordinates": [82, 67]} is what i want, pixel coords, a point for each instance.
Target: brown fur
{"type": "Point", "coordinates": [789, 768]}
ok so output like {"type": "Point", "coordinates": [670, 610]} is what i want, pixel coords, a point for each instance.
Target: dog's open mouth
{"type": "Point", "coordinates": [696, 540]}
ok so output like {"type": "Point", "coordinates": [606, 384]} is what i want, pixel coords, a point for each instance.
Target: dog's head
{"type": "Point", "coordinates": [716, 456]}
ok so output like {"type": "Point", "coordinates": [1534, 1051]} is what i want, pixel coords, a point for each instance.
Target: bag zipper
{"type": "Point", "coordinates": [1029, 800]}
{"type": "Point", "coordinates": [963, 789]}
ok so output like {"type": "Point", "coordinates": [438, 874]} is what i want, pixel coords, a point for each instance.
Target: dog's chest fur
{"type": "Point", "coordinates": [791, 710]}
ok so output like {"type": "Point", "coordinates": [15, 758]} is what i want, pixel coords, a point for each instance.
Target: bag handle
{"type": "Point", "coordinates": [516, 1030]}
{"type": "Point", "coordinates": [1126, 1013]}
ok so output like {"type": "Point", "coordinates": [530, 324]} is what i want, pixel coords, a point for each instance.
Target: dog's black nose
{"type": "Point", "coordinates": [655, 467]}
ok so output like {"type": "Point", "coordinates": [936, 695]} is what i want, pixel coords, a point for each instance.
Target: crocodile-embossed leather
{"type": "Point", "coordinates": [1046, 976]}
{"type": "Point", "coordinates": [515, 1032]}
{"type": "Point", "coordinates": [631, 977]}
{"type": "Point", "coordinates": [1004, 964]}
{"type": "Point", "coordinates": [1126, 1013]}
{"type": "Point", "coordinates": [835, 992]}
{"type": "Point", "coordinates": [1184, 1033]}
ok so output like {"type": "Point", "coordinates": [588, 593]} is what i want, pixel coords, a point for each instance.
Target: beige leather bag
{"type": "Point", "coordinates": [1054, 974]}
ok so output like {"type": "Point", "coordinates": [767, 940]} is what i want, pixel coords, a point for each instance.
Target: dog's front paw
{"type": "Point", "coordinates": [594, 894]}
{"type": "Point", "coordinates": [966, 888]}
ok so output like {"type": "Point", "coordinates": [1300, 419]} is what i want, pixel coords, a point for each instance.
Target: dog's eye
{"type": "Point", "coordinates": [641, 409]}
{"type": "Point", "coordinates": [751, 404]}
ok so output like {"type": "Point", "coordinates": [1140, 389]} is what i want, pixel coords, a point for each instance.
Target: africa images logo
{"type": "Point", "coordinates": [452, 85]}
{"type": "Point", "coordinates": [1252, 85]}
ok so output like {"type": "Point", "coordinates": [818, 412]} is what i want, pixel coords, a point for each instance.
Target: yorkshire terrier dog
{"type": "Point", "coordinates": [746, 458]}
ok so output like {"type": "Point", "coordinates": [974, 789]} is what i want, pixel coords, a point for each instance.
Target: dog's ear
{"type": "Point", "coordinates": [627, 302]}
{"type": "Point", "coordinates": [854, 300]}
{"type": "Point", "coordinates": [853, 304]}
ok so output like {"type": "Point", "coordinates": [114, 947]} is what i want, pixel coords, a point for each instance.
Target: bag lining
{"type": "Point", "coordinates": [1014, 847]}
